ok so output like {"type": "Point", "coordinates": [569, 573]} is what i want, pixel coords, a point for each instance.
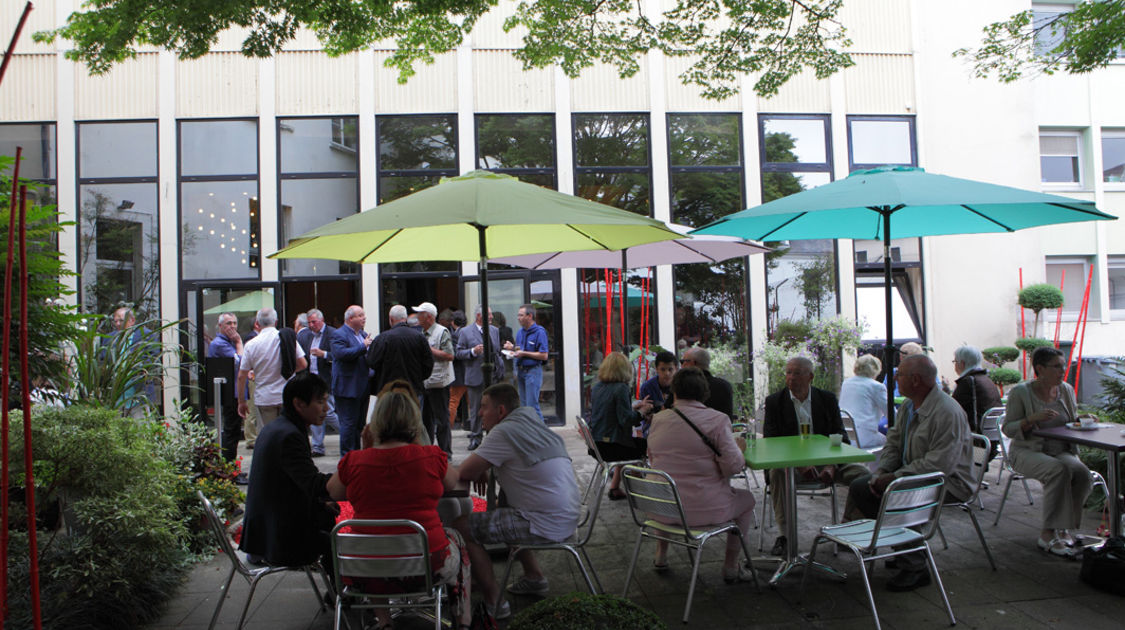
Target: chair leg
{"type": "Point", "coordinates": [941, 587]}
{"type": "Point", "coordinates": [437, 607]}
{"type": "Point", "coordinates": [867, 587]}
{"type": "Point", "coordinates": [590, 564]}
{"type": "Point", "coordinates": [941, 535]}
{"type": "Point", "coordinates": [222, 598]}
{"type": "Point", "coordinates": [582, 568]}
{"type": "Point", "coordinates": [249, 598]}
{"type": "Point", "coordinates": [749, 560]}
{"type": "Point", "coordinates": [507, 574]}
{"type": "Point", "coordinates": [763, 522]}
{"type": "Point", "coordinates": [633, 563]}
{"type": "Point", "coordinates": [835, 519]}
{"type": "Point", "coordinates": [1003, 499]}
{"type": "Point", "coordinates": [316, 590]}
{"type": "Point", "coordinates": [980, 534]}
{"type": "Point", "coordinates": [694, 576]}
{"type": "Point", "coordinates": [1027, 491]}
{"type": "Point", "coordinates": [808, 569]}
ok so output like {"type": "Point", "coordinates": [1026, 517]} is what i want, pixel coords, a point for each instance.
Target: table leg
{"type": "Point", "coordinates": [1112, 475]}
{"type": "Point", "coordinates": [793, 558]}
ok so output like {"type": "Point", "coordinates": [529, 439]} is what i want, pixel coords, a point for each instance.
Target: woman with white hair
{"type": "Point", "coordinates": [866, 400]}
{"type": "Point", "coordinates": [974, 391]}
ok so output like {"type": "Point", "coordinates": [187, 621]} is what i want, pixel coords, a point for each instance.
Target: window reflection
{"type": "Point", "coordinates": [611, 140]}
{"type": "Point", "coordinates": [118, 248]}
{"type": "Point", "coordinates": [318, 145]}
{"type": "Point", "coordinates": [218, 147]}
{"type": "Point", "coordinates": [875, 142]}
{"type": "Point", "coordinates": [307, 204]}
{"type": "Point", "coordinates": [515, 142]}
{"type": "Point", "coordinates": [38, 142]}
{"type": "Point", "coordinates": [219, 237]}
{"type": "Point", "coordinates": [417, 143]}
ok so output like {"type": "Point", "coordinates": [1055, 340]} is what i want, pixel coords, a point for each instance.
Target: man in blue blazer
{"type": "Point", "coordinates": [470, 349]}
{"type": "Point", "coordinates": [316, 341]}
{"type": "Point", "coordinates": [349, 376]}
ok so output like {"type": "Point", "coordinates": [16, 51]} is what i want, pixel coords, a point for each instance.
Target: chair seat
{"type": "Point", "coordinates": [694, 532]}
{"type": "Point", "coordinates": [858, 534]}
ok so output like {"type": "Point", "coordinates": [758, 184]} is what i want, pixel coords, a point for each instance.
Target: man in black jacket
{"type": "Point", "coordinates": [316, 341]}
{"type": "Point", "coordinates": [401, 351]}
{"type": "Point", "coordinates": [785, 410]}
{"type": "Point", "coordinates": [288, 510]}
{"type": "Point", "coordinates": [722, 394]}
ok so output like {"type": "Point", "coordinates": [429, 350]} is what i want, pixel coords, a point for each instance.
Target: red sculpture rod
{"type": "Point", "coordinates": [8, 57]}
{"type": "Point", "coordinates": [608, 314]}
{"type": "Point", "coordinates": [1085, 317]}
{"type": "Point", "coordinates": [1058, 316]}
{"type": "Point", "coordinates": [1023, 332]}
{"type": "Point", "coordinates": [25, 387]}
{"type": "Point", "coordinates": [4, 383]}
{"type": "Point", "coordinates": [1081, 310]}
{"type": "Point", "coordinates": [622, 306]}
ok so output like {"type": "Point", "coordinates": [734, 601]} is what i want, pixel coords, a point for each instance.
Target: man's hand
{"type": "Point", "coordinates": [367, 341]}
{"type": "Point", "coordinates": [879, 484]}
{"type": "Point", "coordinates": [509, 345]}
{"type": "Point", "coordinates": [478, 349]}
{"type": "Point", "coordinates": [243, 409]}
{"type": "Point", "coordinates": [318, 353]}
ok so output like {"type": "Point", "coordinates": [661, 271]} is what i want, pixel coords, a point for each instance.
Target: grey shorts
{"type": "Point", "coordinates": [503, 526]}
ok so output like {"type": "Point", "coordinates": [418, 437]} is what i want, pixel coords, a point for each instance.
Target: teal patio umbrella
{"type": "Point", "coordinates": [474, 217]}
{"type": "Point", "coordinates": [899, 202]}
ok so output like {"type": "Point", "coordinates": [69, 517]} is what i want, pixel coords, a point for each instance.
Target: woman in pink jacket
{"type": "Point", "coordinates": [701, 468]}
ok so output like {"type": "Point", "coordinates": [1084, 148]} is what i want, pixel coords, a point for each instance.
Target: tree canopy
{"type": "Point", "coordinates": [772, 40]}
{"type": "Point", "coordinates": [1038, 41]}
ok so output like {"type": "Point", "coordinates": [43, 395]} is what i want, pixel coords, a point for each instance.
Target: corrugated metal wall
{"type": "Point", "coordinates": [41, 18]}
{"type": "Point", "coordinates": [686, 98]}
{"type": "Point", "coordinates": [501, 85]}
{"type": "Point", "coordinates": [129, 90]}
{"type": "Point", "coordinates": [218, 84]}
{"type": "Point", "coordinates": [880, 84]}
{"type": "Point", "coordinates": [600, 89]}
{"type": "Point", "coordinates": [803, 93]}
{"type": "Point", "coordinates": [432, 89]}
{"type": "Point", "coordinates": [30, 89]}
{"type": "Point", "coordinates": [310, 83]}
{"type": "Point", "coordinates": [877, 25]}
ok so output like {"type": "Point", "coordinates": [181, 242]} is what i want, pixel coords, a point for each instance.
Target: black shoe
{"type": "Point", "coordinates": [779, 547]}
{"type": "Point", "coordinates": [908, 581]}
{"type": "Point", "coordinates": [474, 443]}
{"type": "Point", "coordinates": [891, 564]}
{"type": "Point", "coordinates": [318, 453]}
{"type": "Point", "coordinates": [242, 479]}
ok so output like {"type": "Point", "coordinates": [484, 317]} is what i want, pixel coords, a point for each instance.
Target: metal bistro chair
{"type": "Point", "coordinates": [990, 428]}
{"type": "Point", "coordinates": [401, 557]}
{"type": "Point", "coordinates": [981, 448]}
{"type": "Point", "coordinates": [746, 473]}
{"type": "Point", "coordinates": [652, 494]}
{"type": "Point", "coordinates": [804, 488]}
{"type": "Point", "coordinates": [253, 575]}
{"type": "Point", "coordinates": [603, 469]}
{"type": "Point", "coordinates": [908, 517]}
{"type": "Point", "coordinates": [575, 546]}
{"type": "Point", "coordinates": [1012, 476]}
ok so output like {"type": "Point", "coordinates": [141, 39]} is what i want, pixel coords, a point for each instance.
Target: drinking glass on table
{"type": "Point", "coordinates": [806, 429]}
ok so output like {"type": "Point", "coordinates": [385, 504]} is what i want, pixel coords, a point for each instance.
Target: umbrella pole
{"type": "Point", "coordinates": [889, 348]}
{"type": "Point", "coordinates": [625, 301]}
{"type": "Point", "coordinates": [486, 321]}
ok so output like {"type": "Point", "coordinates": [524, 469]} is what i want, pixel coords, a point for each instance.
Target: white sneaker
{"type": "Point", "coordinates": [528, 586]}
{"type": "Point", "coordinates": [503, 612]}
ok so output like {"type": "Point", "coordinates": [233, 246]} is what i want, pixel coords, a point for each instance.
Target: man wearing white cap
{"type": "Point", "coordinates": [435, 402]}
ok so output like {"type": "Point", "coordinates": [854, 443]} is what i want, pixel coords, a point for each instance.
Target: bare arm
{"type": "Point", "coordinates": [336, 488]}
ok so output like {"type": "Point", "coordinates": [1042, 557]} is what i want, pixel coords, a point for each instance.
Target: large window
{"type": "Point", "coordinates": [219, 209]}
{"type": "Point", "coordinates": [319, 184]}
{"type": "Point", "coordinates": [706, 177]}
{"type": "Point", "coordinates": [612, 160]}
{"type": "Point", "coordinates": [880, 141]}
{"type": "Point", "coordinates": [1070, 273]}
{"type": "Point", "coordinates": [1113, 156]}
{"type": "Point", "coordinates": [39, 154]}
{"type": "Point", "coordinates": [796, 155]}
{"type": "Point", "coordinates": [1060, 157]}
{"type": "Point", "coordinates": [118, 217]}
{"type": "Point", "coordinates": [521, 145]}
{"type": "Point", "coordinates": [1116, 279]}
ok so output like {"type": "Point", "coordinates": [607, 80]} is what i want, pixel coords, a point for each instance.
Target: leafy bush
{"type": "Point", "coordinates": [999, 355]}
{"type": "Point", "coordinates": [116, 533]}
{"type": "Point", "coordinates": [1004, 376]}
{"type": "Point", "coordinates": [118, 369]}
{"type": "Point", "coordinates": [1113, 395]}
{"type": "Point", "coordinates": [1037, 297]}
{"type": "Point", "coordinates": [792, 333]}
{"type": "Point", "coordinates": [1029, 344]}
{"type": "Point", "coordinates": [582, 610]}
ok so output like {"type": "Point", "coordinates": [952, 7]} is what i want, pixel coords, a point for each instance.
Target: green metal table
{"type": "Point", "coordinates": [791, 452]}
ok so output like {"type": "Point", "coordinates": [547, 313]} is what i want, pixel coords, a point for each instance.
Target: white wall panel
{"type": "Point", "coordinates": [310, 83]}
{"type": "Point", "coordinates": [686, 98]}
{"type": "Point", "coordinates": [600, 89]}
{"type": "Point", "coordinates": [305, 39]}
{"type": "Point", "coordinates": [880, 84]}
{"type": "Point", "coordinates": [218, 84]}
{"type": "Point", "coordinates": [30, 88]}
{"type": "Point", "coordinates": [877, 25]}
{"type": "Point", "coordinates": [230, 40]}
{"type": "Point", "coordinates": [432, 89]}
{"type": "Point", "coordinates": [802, 94]}
{"type": "Point", "coordinates": [489, 29]}
{"type": "Point", "coordinates": [501, 85]}
{"type": "Point", "coordinates": [41, 18]}
{"type": "Point", "coordinates": [129, 90]}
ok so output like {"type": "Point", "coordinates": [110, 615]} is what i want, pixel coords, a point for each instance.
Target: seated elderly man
{"type": "Point", "coordinates": [722, 394]}
{"type": "Point", "coordinates": [786, 410]}
{"type": "Point", "coordinates": [539, 500]}
{"type": "Point", "coordinates": [930, 434]}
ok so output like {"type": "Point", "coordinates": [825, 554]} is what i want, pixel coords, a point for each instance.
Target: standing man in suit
{"type": "Point", "coordinates": [349, 376]}
{"type": "Point", "coordinates": [316, 340]}
{"type": "Point", "coordinates": [400, 351]}
{"type": "Point", "coordinates": [785, 411]}
{"type": "Point", "coordinates": [470, 348]}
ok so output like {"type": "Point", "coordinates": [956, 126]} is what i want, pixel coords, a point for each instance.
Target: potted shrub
{"type": "Point", "coordinates": [999, 355]}
{"type": "Point", "coordinates": [1004, 376]}
{"type": "Point", "coordinates": [1036, 297]}
{"type": "Point", "coordinates": [583, 610]}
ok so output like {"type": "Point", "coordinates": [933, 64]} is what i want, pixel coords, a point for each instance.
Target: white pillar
{"type": "Point", "coordinates": [269, 208]}
{"type": "Point", "coordinates": [169, 235]}
{"type": "Point", "coordinates": [368, 177]}
{"type": "Point", "coordinates": [571, 352]}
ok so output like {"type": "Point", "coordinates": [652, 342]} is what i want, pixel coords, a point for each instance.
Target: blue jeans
{"type": "Point", "coordinates": [529, 380]}
{"type": "Point", "coordinates": [352, 413]}
{"type": "Point", "coordinates": [330, 420]}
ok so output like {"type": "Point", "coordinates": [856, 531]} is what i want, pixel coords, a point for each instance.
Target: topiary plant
{"type": "Point", "coordinates": [1029, 344]}
{"type": "Point", "coordinates": [1037, 297]}
{"type": "Point", "coordinates": [582, 610]}
{"type": "Point", "coordinates": [1004, 376]}
{"type": "Point", "coordinates": [999, 355]}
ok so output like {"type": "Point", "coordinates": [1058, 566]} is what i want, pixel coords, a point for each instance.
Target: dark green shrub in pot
{"type": "Point", "coordinates": [1037, 297]}
{"type": "Point", "coordinates": [999, 355]}
{"type": "Point", "coordinates": [1029, 344]}
{"type": "Point", "coordinates": [583, 610]}
{"type": "Point", "coordinates": [1003, 377]}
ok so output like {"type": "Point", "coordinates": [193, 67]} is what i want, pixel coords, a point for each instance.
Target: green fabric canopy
{"type": "Point", "coordinates": [445, 222]}
{"type": "Point", "coordinates": [250, 303]}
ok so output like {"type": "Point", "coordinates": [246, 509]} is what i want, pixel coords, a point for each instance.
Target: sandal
{"type": "Point", "coordinates": [616, 494]}
{"type": "Point", "coordinates": [1056, 547]}
{"type": "Point", "coordinates": [660, 567]}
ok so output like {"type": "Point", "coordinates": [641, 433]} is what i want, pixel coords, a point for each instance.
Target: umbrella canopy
{"type": "Point", "coordinates": [250, 303]}
{"type": "Point", "coordinates": [686, 249]}
{"type": "Point", "coordinates": [474, 217]}
{"type": "Point", "coordinates": [899, 202]}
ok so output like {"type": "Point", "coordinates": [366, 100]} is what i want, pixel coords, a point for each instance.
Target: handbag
{"type": "Point", "coordinates": [706, 440]}
{"type": "Point", "coordinates": [1104, 567]}
{"type": "Point", "coordinates": [482, 619]}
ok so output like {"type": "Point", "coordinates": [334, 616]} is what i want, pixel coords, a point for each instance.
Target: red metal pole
{"type": "Point", "coordinates": [586, 314]}
{"type": "Point", "coordinates": [1023, 332]}
{"type": "Point", "coordinates": [1082, 340]}
{"type": "Point", "coordinates": [622, 307]}
{"type": "Point", "coordinates": [11, 50]}
{"type": "Point", "coordinates": [1058, 316]}
{"type": "Point", "coordinates": [1085, 305]}
{"type": "Point", "coordinates": [25, 386]}
{"type": "Point", "coordinates": [4, 383]}
{"type": "Point", "coordinates": [608, 315]}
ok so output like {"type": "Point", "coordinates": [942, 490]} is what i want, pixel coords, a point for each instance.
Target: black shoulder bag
{"type": "Point", "coordinates": [706, 440]}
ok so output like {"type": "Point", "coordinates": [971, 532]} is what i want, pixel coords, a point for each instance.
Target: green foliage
{"type": "Point", "coordinates": [582, 610]}
{"type": "Point", "coordinates": [999, 355]}
{"type": "Point", "coordinates": [51, 321]}
{"type": "Point", "coordinates": [1029, 344]}
{"type": "Point", "coordinates": [1084, 39]}
{"type": "Point", "coordinates": [823, 341]}
{"type": "Point", "coordinates": [117, 369]}
{"type": "Point", "coordinates": [792, 333]}
{"type": "Point", "coordinates": [816, 280]}
{"type": "Point", "coordinates": [1113, 394]}
{"type": "Point", "coordinates": [118, 522]}
{"type": "Point", "coordinates": [1004, 376]}
{"type": "Point", "coordinates": [772, 40]}
{"type": "Point", "coordinates": [1037, 297]}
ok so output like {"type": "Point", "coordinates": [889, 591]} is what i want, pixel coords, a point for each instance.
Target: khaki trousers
{"type": "Point", "coordinates": [1066, 484]}
{"type": "Point", "coordinates": [845, 474]}
{"type": "Point", "coordinates": [251, 421]}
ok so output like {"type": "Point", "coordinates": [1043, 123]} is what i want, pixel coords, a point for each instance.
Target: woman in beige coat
{"type": "Point", "coordinates": [1041, 403]}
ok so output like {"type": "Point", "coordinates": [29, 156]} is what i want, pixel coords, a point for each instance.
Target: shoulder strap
{"type": "Point", "coordinates": [706, 440]}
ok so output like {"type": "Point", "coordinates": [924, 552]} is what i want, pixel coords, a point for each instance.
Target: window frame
{"type": "Point", "coordinates": [552, 171]}
{"type": "Point", "coordinates": [1116, 133]}
{"type": "Point", "coordinates": [1079, 136]}
{"type": "Point", "coordinates": [1087, 262]}
{"type": "Point", "coordinates": [646, 170]}
{"type": "Point", "coordinates": [380, 172]}
{"type": "Point", "coordinates": [909, 119]}
{"type": "Point", "coordinates": [1114, 261]}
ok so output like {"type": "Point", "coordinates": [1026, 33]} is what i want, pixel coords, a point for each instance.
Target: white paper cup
{"type": "Point", "coordinates": [1087, 421]}
{"type": "Point", "coordinates": [836, 439]}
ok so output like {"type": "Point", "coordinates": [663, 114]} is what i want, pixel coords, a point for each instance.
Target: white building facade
{"type": "Point", "coordinates": [182, 176]}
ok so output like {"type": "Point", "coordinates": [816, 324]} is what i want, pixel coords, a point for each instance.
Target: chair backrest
{"type": "Point", "coordinates": [990, 423]}
{"type": "Point", "coordinates": [912, 501]}
{"type": "Point", "coordinates": [982, 446]}
{"type": "Point", "coordinates": [220, 533]}
{"type": "Point", "coordinates": [381, 555]}
{"type": "Point", "coordinates": [652, 494]}
{"type": "Point", "coordinates": [1005, 460]}
{"type": "Point", "coordinates": [588, 437]}
{"type": "Point", "coordinates": [849, 428]}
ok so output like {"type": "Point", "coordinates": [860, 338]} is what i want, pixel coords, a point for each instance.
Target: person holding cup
{"type": "Point", "coordinates": [1041, 403]}
{"type": "Point", "coordinates": [799, 403]}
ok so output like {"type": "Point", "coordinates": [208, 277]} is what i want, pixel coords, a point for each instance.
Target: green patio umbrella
{"type": "Point", "coordinates": [250, 303]}
{"type": "Point", "coordinates": [474, 217]}
{"type": "Point", "coordinates": [898, 202]}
